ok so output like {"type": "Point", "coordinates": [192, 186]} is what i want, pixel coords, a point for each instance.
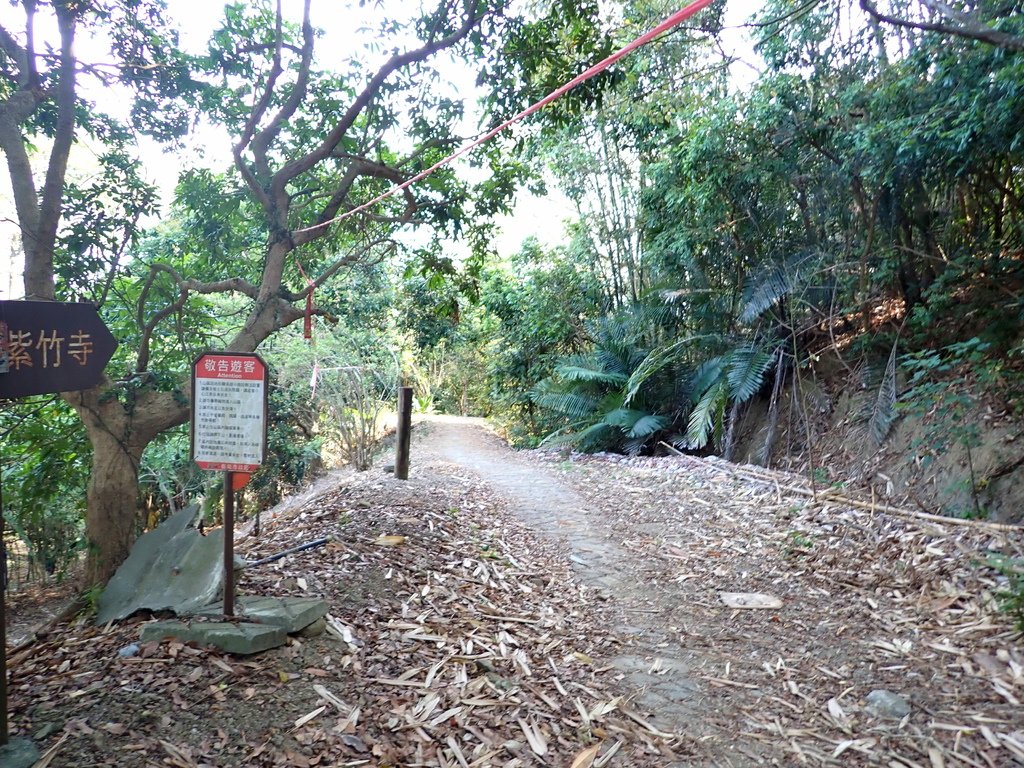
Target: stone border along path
{"type": "Point", "coordinates": [658, 681]}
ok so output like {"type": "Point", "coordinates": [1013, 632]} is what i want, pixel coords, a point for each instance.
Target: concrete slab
{"type": "Point", "coordinates": [290, 613]}
{"type": "Point", "coordinates": [242, 638]}
{"type": "Point", "coordinates": [172, 567]}
{"type": "Point", "coordinates": [18, 753]}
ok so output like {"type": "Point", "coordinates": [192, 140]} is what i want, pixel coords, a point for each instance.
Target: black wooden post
{"type": "Point", "coordinates": [229, 545]}
{"type": "Point", "coordinates": [404, 432]}
{"type": "Point", "coordinates": [3, 627]}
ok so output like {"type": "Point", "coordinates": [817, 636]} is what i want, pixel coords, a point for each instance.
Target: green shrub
{"type": "Point", "coordinates": [1011, 599]}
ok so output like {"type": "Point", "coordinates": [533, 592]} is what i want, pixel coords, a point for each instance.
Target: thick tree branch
{"type": "Point", "coordinates": [115, 261]}
{"type": "Point", "coordinates": [13, 112]}
{"type": "Point", "coordinates": [185, 287]}
{"type": "Point", "coordinates": [278, 44]}
{"type": "Point", "coordinates": [966, 25]}
{"type": "Point", "coordinates": [262, 141]}
{"type": "Point", "coordinates": [18, 55]}
{"type": "Point", "coordinates": [149, 326]}
{"type": "Point", "coordinates": [256, 179]}
{"type": "Point", "coordinates": [31, 69]}
{"type": "Point", "coordinates": [399, 61]}
{"type": "Point", "coordinates": [273, 201]}
{"type": "Point", "coordinates": [354, 256]}
{"type": "Point", "coordinates": [270, 315]}
{"type": "Point", "coordinates": [39, 268]}
{"type": "Point", "coordinates": [259, 108]}
{"type": "Point", "coordinates": [358, 167]}
{"type": "Point", "coordinates": [228, 285]}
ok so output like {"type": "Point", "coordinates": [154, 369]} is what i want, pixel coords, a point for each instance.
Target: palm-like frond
{"type": "Point", "coordinates": [647, 425]}
{"type": "Point", "coordinates": [633, 445]}
{"type": "Point", "coordinates": [658, 359]}
{"type": "Point", "coordinates": [708, 414]}
{"type": "Point", "coordinates": [763, 291]}
{"type": "Point", "coordinates": [582, 373]}
{"type": "Point", "coordinates": [595, 433]}
{"type": "Point", "coordinates": [678, 441]}
{"type": "Point", "coordinates": [708, 374]}
{"type": "Point", "coordinates": [613, 359]}
{"type": "Point", "coordinates": [572, 404]}
{"type": "Point", "coordinates": [624, 418]}
{"type": "Point", "coordinates": [653, 313]}
{"type": "Point", "coordinates": [567, 436]}
{"type": "Point", "coordinates": [767, 286]}
{"type": "Point", "coordinates": [746, 369]}
{"type": "Point", "coordinates": [560, 438]}
{"type": "Point", "coordinates": [883, 414]}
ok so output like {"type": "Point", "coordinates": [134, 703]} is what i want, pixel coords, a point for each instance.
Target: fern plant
{"type": "Point", "coordinates": [879, 410]}
{"type": "Point", "coordinates": [767, 287]}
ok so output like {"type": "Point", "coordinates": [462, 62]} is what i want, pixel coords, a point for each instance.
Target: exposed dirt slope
{"type": "Point", "coordinates": [963, 456]}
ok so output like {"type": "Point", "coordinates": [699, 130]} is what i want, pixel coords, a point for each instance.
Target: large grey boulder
{"type": "Point", "coordinates": [173, 568]}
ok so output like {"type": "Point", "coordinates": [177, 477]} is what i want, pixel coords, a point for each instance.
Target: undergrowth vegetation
{"type": "Point", "coordinates": [860, 199]}
{"type": "Point", "coordinates": [854, 196]}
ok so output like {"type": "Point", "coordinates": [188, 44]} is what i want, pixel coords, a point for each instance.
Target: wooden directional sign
{"type": "Point", "coordinates": [49, 346]}
{"type": "Point", "coordinates": [229, 411]}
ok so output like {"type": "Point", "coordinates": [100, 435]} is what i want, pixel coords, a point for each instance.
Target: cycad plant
{"type": "Point", "coordinates": [592, 393]}
{"type": "Point", "coordinates": [622, 396]}
{"type": "Point", "coordinates": [735, 377]}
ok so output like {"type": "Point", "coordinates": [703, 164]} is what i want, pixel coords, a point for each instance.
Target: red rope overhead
{"type": "Point", "coordinates": [672, 21]}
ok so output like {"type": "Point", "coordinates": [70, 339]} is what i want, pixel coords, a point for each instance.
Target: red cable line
{"type": "Point", "coordinates": [672, 21]}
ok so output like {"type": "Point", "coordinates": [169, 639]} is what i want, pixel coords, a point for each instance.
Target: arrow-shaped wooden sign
{"type": "Point", "coordinates": [48, 346]}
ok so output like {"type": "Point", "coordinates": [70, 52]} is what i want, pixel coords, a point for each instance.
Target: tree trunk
{"type": "Point", "coordinates": [118, 433]}
{"type": "Point", "coordinates": [113, 501]}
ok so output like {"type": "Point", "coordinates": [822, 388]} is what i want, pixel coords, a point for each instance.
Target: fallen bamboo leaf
{"type": "Point", "coordinates": [753, 600]}
{"type": "Point", "coordinates": [603, 708]}
{"type": "Point", "coordinates": [585, 759]}
{"type": "Point", "coordinates": [643, 723]}
{"type": "Point", "coordinates": [307, 717]}
{"type": "Point", "coordinates": [399, 682]}
{"type": "Point", "coordinates": [453, 745]}
{"type": "Point", "coordinates": [534, 737]}
{"type": "Point", "coordinates": [836, 710]}
{"type": "Point", "coordinates": [862, 745]}
{"type": "Point", "coordinates": [47, 757]}
{"type": "Point", "coordinates": [604, 759]}
{"type": "Point", "coordinates": [389, 541]}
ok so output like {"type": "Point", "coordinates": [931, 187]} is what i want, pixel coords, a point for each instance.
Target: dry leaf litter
{"type": "Point", "coordinates": [460, 637]}
{"type": "Point", "coordinates": [455, 638]}
{"type": "Point", "coordinates": [872, 601]}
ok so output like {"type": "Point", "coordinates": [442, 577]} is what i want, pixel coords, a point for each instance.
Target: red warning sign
{"type": "Point", "coordinates": [229, 412]}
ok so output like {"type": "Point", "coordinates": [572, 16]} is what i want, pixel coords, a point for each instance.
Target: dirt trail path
{"type": "Point", "coordinates": [471, 630]}
{"type": "Point", "coordinates": [655, 673]}
{"type": "Point", "coordinates": [872, 605]}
